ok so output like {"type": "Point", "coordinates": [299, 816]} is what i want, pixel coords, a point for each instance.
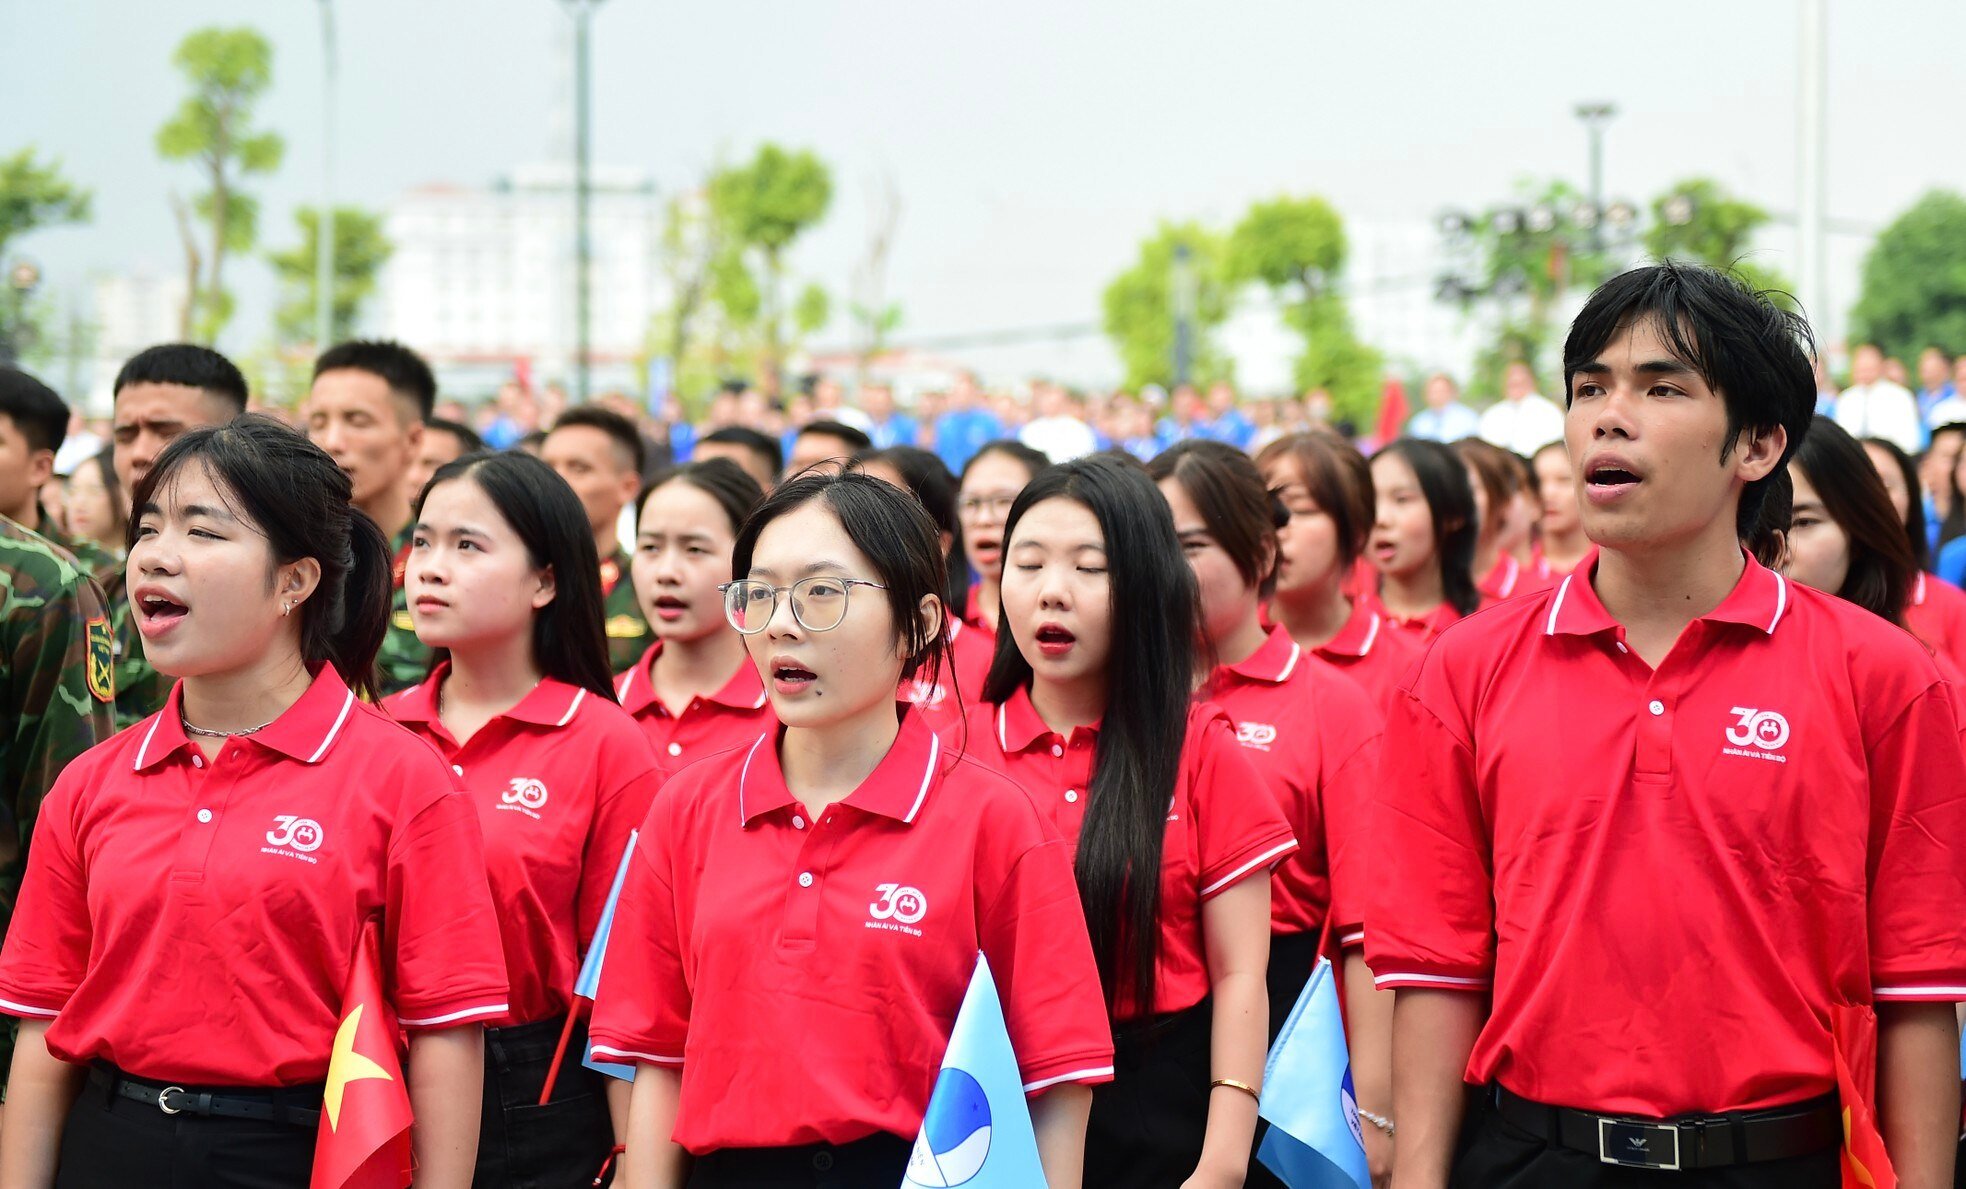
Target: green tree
{"type": "Point", "coordinates": [1914, 281]}
{"type": "Point", "coordinates": [1296, 248]}
{"type": "Point", "coordinates": [32, 195]}
{"type": "Point", "coordinates": [1138, 306]}
{"type": "Point", "coordinates": [229, 71]}
{"type": "Point", "coordinates": [764, 206]}
{"type": "Point", "coordinates": [688, 255]}
{"type": "Point", "coordinates": [360, 250]}
{"type": "Point", "coordinates": [1697, 219]}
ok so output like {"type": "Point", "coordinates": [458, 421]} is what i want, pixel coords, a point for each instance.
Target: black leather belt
{"type": "Point", "coordinates": [296, 1105]}
{"type": "Point", "coordinates": [1704, 1141]}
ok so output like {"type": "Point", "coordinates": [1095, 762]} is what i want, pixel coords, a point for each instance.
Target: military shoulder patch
{"type": "Point", "coordinates": [626, 627]}
{"type": "Point", "coordinates": [102, 659]}
{"type": "Point", "coordinates": [402, 622]}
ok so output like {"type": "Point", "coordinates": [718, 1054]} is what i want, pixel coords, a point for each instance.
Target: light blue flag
{"type": "Point", "coordinates": [1314, 1140]}
{"type": "Point", "coordinates": [589, 983]}
{"type": "Point", "coordinates": [977, 1131]}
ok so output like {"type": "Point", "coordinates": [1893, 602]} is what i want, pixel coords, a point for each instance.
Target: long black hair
{"type": "Point", "coordinates": [1145, 726]}
{"type": "Point", "coordinates": [1882, 568]}
{"type": "Point", "coordinates": [889, 526]}
{"type": "Point", "coordinates": [1443, 481]}
{"type": "Point", "coordinates": [297, 497]}
{"type": "Point", "coordinates": [1915, 531]}
{"type": "Point", "coordinates": [569, 637]}
{"type": "Point", "coordinates": [934, 484]}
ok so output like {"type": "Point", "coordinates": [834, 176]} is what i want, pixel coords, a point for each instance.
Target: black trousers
{"type": "Point", "coordinates": [114, 1143]}
{"type": "Point", "coordinates": [1148, 1123]}
{"type": "Point", "coordinates": [1495, 1154]}
{"type": "Point", "coordinates": [523, 1145]}
{"type": "Point", "coordinates": [1292, 955]}
{"type": "Point", "coordinates": [879, 1160]}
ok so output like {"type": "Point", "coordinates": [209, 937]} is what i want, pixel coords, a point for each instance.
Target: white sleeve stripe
{"type": "Point", "coordinates": [1102, 1071]}
{"type": "Point", "coordinates": [601, 1050]}
{"type": "Point", "coordinates": [1356, 935]}
{"type": "Point", "coordinates": [1936, 990]}
{"type": "Point", "coordinates": [1246, 868]}
{"type": "Point", "coordinates": [27, 1010]}
{"type": "Point", "coordinates": [1444, 980]}
{"type": "Point", "coordinates": [484, 1009]}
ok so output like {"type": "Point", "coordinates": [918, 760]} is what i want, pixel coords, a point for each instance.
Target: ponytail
{"type": "Point", "coordinates": [367, 587]}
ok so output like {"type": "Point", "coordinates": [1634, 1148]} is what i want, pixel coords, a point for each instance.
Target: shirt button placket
{"type": "Point", "coordinates": [1655, 735]}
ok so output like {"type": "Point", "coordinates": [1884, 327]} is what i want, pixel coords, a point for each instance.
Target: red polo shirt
{"type": "Point", "coordinates": [194, 920]}
{"type": "Point", "coordinates": [1543, 567]}
{"type": "Point", "coordinates": [733, 715]}
{"type": "Point", "coordinates": [559, 780]}
{"type": "Point", "coordinates": [1314, 735]}
{"type": "Point", "coordinates": [1671, 875]}
{"type": "Point", "coordinates": [1936, 614]}
{"type": "Point", "coordinates": [1508, 579]}
{"type": "Point", "coordinates": [1419, 629]}
{"type": "Point", "coordinates": [1224, 825]}
{"type": "Point", "coordinates": [805, 973]}
{"type": "Point", "coordinates": [958, 685]}
{"type": "Point", "coordinates": [1377, 659]}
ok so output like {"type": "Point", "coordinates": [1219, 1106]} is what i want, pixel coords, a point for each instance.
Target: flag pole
{"type": "Point", "coordinates": [559, 1053]}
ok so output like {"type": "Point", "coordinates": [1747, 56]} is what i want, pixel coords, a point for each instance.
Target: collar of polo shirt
{"type": "Point", "coordinates": [1273, 662]}
{"type": "Point", "coordinates": [1359, 634]}
{"type": "Point", "coordinates": [305, 732]}
{"type": "Point", "coordinates": [1018, 724]}
{"type": "Point", "coordinates": [896, 788]}
{"type": "Point", "coordinates": [1759, 600]}
{"type": "Point", "coordinates": [636, 689]}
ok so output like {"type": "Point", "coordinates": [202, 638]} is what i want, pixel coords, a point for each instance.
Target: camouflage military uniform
{"type": "Point", "coordinates": [628, 632]}
{"type": "Point", "coordinates": [404, 660]}
{"type": "Point", "coordinates": [140, 689]}
{"type": "Point", "coordinates": [57, 692]}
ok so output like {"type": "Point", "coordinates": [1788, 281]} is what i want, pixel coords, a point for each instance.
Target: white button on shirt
{"type": "Point", "coordinates": [204, 815]}
{"type": "Point", "coordinates": [805, 879]}
{"type": "Point", "coordinates": [1656, 707]}
{"type": "Point", "coordinates": [675, 749]}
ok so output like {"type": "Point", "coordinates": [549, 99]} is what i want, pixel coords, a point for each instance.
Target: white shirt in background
{"type": "Point", "coordinates": [1524, 426]}
{"type": "Point", "coordinates": [1881, 410]}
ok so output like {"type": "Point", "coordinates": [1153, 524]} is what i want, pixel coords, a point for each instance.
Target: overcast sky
{"type": "Point", "coordinates": [1033, 144]}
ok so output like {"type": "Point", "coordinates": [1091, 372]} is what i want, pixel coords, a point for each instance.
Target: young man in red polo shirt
{"type": "Point", "coordinates": [1656, 840]}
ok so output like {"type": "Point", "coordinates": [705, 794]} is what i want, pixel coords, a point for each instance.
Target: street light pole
{"type": "Point", "coordinates": [324, 245]}
{"type": "Point", "coordinates": [1595, 116]}
{"type": "Point", "coordinates": [582, 12]}
{"type": "Point", "coordinates": [1812, 153]}
{"type": "Point", "coordinates": [1184, 313]}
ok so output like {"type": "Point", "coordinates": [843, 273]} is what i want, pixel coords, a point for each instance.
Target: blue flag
{"type": "Point", "coordinates": [977, 1131]}
{"type": "Point", "coordinates": [1314, 1140]}
{"type": "Point", "coordinates": [589, 983]}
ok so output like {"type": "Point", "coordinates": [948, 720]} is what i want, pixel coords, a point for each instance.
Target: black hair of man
{"type": "Point", "coordinates": [631, 450]}
{"type": "Point", "coordinates": [1753, 353]}
{"type": "Point", "coordinates": [191, 366]}
{"type": "Point", "coordinates": [34, 408]}
{"type": "Point", "coordinates": [756, 441]}
{"type": "Point", "coordinates": [407, 375]}
{"type": "Point", "coordinates": [467, 438]}
{"type": "Point", "coordinates": [855, 439]}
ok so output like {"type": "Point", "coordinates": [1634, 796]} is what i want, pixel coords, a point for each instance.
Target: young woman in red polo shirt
{"type": "Point", "coordinates": [200, 884]}
{"type": "Point", "coordinates": [1503, 512]}
{"type": "Point", "coordinates": [1326, 487]}
{"type": "Point", "coordinates": [1936, 612]}
{"type": "Point", "coordinates": [1308, 728]}
{"type": "Point", "coordinates": [1562, 543]}
{"type": "Point", "coordinates": [921, 472]}
{"type": "Point", "coordinates": [802, 915]}
{"type": "Point", "coordinates": [1423, 537]}
{"type": "Point", "coordinates": [695, 692]}
{"type": "Point", "coordinates": [504, 589]}
{"type": "Point", "coordinates": [1088, 707]}
{"type": "Point", "coordinates": [991, 479]}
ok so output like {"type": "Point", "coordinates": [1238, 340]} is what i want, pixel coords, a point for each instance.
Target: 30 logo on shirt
{"type": "Point", "coordinates": [527, 795]}
{"type": "Point", "coordinates": [294, 838]}
{"type": "Point", "coordinates": [1256, 735]}
{"type": "Point", "coordinates": [899, 908]}
{"type": "Point", "coordinates": [1757, 734]}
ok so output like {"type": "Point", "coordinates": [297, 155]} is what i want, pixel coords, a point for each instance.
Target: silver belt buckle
{"type": "Point", "coordinates": [1638, 1143]}
{"type": "Point", "coordinates": [163, 1100]}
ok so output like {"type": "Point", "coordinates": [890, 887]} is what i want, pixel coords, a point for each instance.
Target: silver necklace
{"type": "Point", "coordinates": [211, 734]}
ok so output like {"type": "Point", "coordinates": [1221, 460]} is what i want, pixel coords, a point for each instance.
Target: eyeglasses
{"type": "Point", "coordinates": [818, 603]}
{"type": "Point", "coordinates": [973, 506]}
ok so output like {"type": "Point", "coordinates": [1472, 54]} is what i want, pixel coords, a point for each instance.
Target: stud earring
{"type": "Point", "coordinates": [286, 609]}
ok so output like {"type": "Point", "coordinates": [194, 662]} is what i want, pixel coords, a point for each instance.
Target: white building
{"type": "Point", "coordinates": [128, 312]}
{"type": "Point", "coordinates": [482, 281]}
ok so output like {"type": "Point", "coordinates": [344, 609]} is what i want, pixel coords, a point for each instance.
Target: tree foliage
{"type": "Point", "coordinates": [1699, 220]}
{"type": "Point", "coordinates": [360, 251]}
{"type": "Point", "coordinates": [34, 194]}
{"type": "Point", "coordinates": [229, 70]}
{"type": "Point", "coordinates": [1138, 306]}
{"type": "Point", "coordinates": [762, 207]}
{"type": "Point", "coordinates": [1296, 248]}
{"type": "Point", "coordinates": [1914, 281]}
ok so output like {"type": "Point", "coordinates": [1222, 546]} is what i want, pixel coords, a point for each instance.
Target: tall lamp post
{"type": "Point", "coordinates": [22, 279]}
{"type": "Point", "coordinates": [324, 245]}
{"type": "Point", "coordinates": [1595, 116]}
{"type": "Point", "coordinates": [582, 12]}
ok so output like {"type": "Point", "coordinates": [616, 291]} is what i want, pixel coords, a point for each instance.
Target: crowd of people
{"type": "Point", "coordinates": [1607, 746]}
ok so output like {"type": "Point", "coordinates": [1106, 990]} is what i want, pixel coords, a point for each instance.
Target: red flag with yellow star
{"type": "Point", "coordinates": [1853, 1031]}
{"type": "Point", "coordinates": [365, 1115]}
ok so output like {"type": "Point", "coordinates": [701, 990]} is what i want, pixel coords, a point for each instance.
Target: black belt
{"type": "Point", "coordinates": [297, 1105]}
{"type": "Point", "coordinates": [1703, 1141]}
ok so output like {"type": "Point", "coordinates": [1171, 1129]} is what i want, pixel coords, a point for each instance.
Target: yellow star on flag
{"type": "Point", "coordinates": [346, 1065]}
